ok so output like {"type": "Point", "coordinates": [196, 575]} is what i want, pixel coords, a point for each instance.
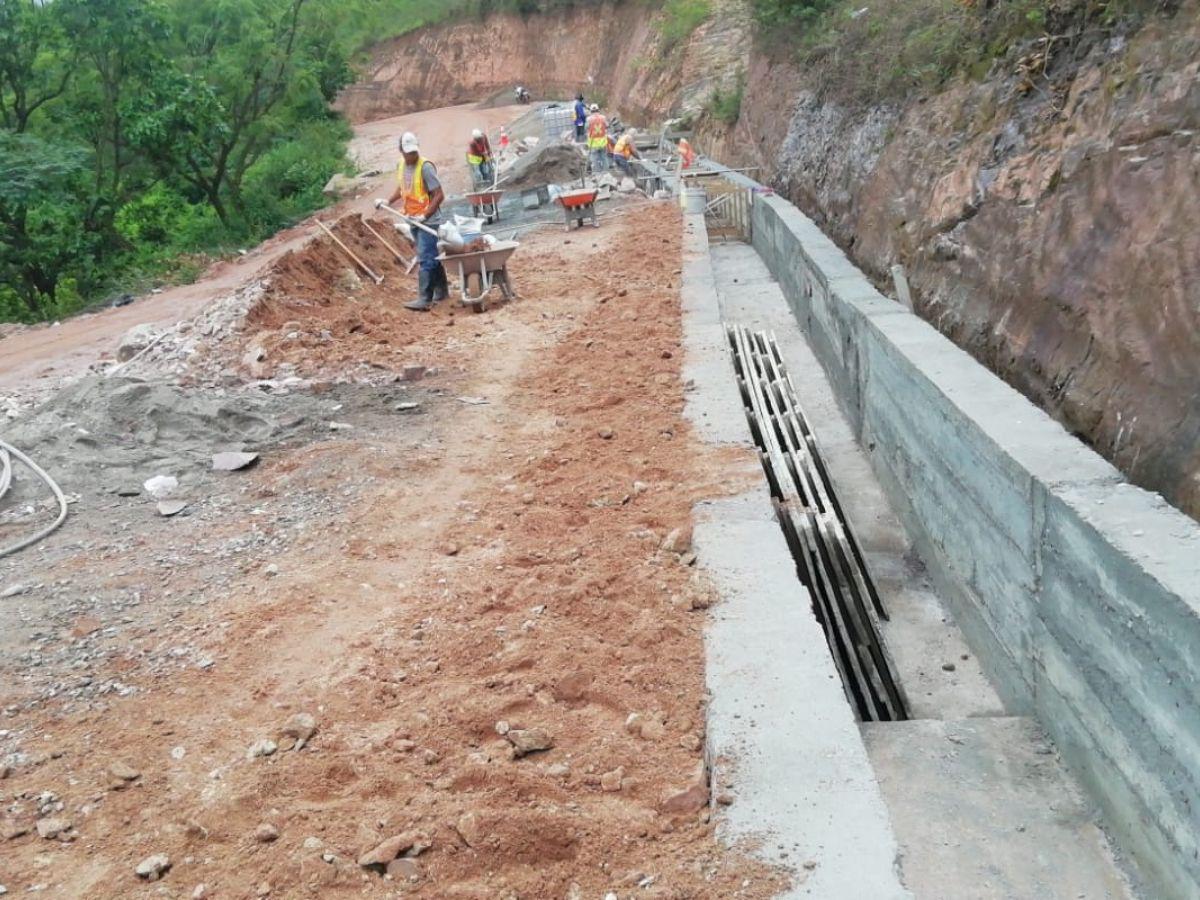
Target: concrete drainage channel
{"type": "Point", "coordinates": [829, 561]}
{"type": "Point", "coordinates": [958, 794]}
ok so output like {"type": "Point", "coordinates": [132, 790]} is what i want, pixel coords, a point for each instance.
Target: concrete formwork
{"type": "Point", "coordinates": [1080, 591]}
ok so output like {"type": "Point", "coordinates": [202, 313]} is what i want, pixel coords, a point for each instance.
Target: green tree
{"type": "Point", "coordinates": [35, 63]}
{"type": "Point", "coordinates": [42, 235]}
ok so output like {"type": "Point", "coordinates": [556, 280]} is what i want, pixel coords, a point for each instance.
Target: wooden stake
{"type": "Point", "coordinates": [378, 279]}
{"type": "Point", "coordinates": [408, 264]}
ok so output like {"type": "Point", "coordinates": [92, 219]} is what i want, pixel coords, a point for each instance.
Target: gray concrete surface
{"type": "Point", "coordinates": [779, 730]}
{"type": "Point", "coordinates": [969, 797]}
{"type": "Point", "coordinates": [983, 812]}
{"type": "Point", "coordinates": [1080, 592]}
{"type": "Point", "coordinates": [921, 633]}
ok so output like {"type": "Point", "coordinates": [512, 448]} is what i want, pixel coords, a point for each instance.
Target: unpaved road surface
{"type": "Point", "coordinates": [50, 353]}
{"type": "Point", "coordinates": [485, 603]}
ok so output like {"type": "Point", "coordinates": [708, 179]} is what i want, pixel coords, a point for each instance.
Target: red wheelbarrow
{"type": "Point", "coordinates": [486, 268]}
{"type": "Point", "coordinates": [485, 205]}
{"type": "Point", "coordinates": [579, 205]}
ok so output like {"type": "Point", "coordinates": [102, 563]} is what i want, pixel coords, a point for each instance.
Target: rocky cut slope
{"type": "Point", "coordinates": [1048, 214]}
{"type": "Point", "coordinates": [616, 52]}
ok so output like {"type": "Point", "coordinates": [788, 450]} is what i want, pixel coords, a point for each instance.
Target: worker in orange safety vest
{"type": "Point", "coordinates": [422, 194]}
{"type": "Point", "coordinates": [597, 139]}
{"type": "Point", "coordinates": [686, 153]}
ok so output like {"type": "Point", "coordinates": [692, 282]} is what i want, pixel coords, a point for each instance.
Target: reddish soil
{"type": "Point", "coordinates": [509, 569]}
{"type": "Point", "coordinates": [50, 353]}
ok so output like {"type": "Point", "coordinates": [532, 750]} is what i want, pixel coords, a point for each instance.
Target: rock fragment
{"type": "Point", "coordinates": [679, 540]}
{"type": "Point", "coordinates": [266, 833]}
{"type": "Point", "coordinates": [52, 827]}
{"type": "Point", "coordinates": [232, 461]}
{"type": "Point", "coordinates": [297, 731]}
{"type": "Point", "coordinates": [160, 487]}
{"type": "Point", "coordinates": [153, 867]}
{"type": "Point", "coordinates": [529, 740]}
{"type": "Point", "coordinates": [123, 772]}
{"type": "Point", "coordinates": [611, 781]}
{"type": "Point", "coordinates": [410, 843]}
{"type": "Point", "coordinates": [691, 798]}
{"type": "Point", "coordinates": [264, 747]}
{"type": "Point", "coordinates": [168, 508]}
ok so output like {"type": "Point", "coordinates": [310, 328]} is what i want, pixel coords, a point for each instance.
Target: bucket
{"type": "Point", "coordinates": [694, 200]}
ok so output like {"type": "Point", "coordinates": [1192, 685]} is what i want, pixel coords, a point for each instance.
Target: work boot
{"type": "Point", "coordinates": [441, 285]}
{"type": "Point", "coordinates": [424, 301]}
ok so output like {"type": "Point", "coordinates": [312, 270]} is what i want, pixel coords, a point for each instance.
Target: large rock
{"type": "Point", "coordinates": [153, 867]}
{"type": "Point", "coordinates": [340, 186]}
{"type": "Point", "coordinates": [135, 340]}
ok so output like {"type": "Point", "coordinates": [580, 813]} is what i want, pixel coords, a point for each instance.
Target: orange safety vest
{"type": "Point", "coordinates": [597, 131]}
{"type": "Point", "coordinates": [688, 154]}
{"type": "Point", "coordinates": [624, 147]}
{"type": "Point", "coordinates": [416, 198]}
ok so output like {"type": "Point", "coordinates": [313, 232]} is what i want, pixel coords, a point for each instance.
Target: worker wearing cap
{"type": "Point", "coordinates": [597, 138]}
{"type": "Point", "coordinates": [581, 114]}
{"type": "Point", "coordinates": [625, 150]}
{"type": "Point", "coordinates": [422, 196]}
{"type": "Point", "coordinates": [479, 158]}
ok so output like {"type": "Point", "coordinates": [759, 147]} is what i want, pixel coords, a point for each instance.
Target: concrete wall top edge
{"type": "Point", "coordinates": [1150, 534]}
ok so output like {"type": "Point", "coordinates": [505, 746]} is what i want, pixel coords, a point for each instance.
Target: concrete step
{"type": "Point", "coordinates": [983, 810]}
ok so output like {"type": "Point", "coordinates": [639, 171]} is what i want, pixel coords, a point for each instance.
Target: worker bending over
{"type": "Point", "coordinates": [422, 194]}
{"type": "Point", "coordinates": [479, 157]}
{"type": "Point", "coordinates": [597, 138]}
{"type": "Point", "coordinates": [625, 150]}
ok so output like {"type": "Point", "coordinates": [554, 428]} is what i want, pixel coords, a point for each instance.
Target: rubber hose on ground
{"type": "Point", "coordinates": [6, 477]}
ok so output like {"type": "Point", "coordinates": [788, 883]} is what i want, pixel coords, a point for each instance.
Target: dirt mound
{"type": "Point", "coordinates": [319, 313]}
{"type": "Point", "coordinates": [551, 164]}
{"type": "Point", "coordinates": [133, 425]}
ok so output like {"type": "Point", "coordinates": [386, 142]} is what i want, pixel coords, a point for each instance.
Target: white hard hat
{"type": "Point", "coordinates": [476, 133]}
{"type": "Point", "coordinates": [595, 107]}
{"type": "Point", "coordinates": [408, 143]}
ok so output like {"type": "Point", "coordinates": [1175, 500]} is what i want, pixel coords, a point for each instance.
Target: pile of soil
{"type": "Point", "coordinates": [551, 164]}
{"type": "Point", "coordinates": [129, 424]}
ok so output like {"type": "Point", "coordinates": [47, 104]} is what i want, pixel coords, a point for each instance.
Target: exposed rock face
{"type": "Point", "coordinates": [611, 51]}
{"type": "Point", "coordinates": [1051, 233]}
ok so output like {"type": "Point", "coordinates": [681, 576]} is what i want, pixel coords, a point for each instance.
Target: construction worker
{"type": "Point", "coordinates": [625, 150]}
{"type": "Point", "coordinates": [479, 158]}
{"type": "Point", "coordinates": [686, 154]}
{"type": "Point", "coordinates": [597, 138]}
{"type": "Point", "coordinates": [422, 196]}
{"type": "Point", "coordinates": [581, 115]}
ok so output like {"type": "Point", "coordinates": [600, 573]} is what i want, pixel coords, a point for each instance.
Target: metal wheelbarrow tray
{"type": "Point", "coordinates": [485, 204]}
{"type": "Point", "coordinates": [579, 205]}
{"type": "Point", "coordinates": [487, 268]}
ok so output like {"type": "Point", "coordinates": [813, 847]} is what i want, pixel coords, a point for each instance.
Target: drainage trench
{"type": "Point", "coordinates": [829, 560]}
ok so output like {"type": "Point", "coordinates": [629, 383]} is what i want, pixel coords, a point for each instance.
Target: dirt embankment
{"type": "Point", "coordinates": [1052, 230]}
{"type": "Point", "coordinates": [614, 52]}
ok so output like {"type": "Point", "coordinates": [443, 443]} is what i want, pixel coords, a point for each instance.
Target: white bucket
{"type": "Point", "coordinates": [694, 200]}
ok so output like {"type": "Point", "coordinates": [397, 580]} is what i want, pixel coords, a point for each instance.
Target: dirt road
{"type": "Point", "coordinates": [491, 619]}
{"type": "Point", "coordinates": [51, 353]}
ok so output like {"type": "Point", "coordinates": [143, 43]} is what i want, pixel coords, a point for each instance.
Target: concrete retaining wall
{"type": "Point", "coordinates": [1080, 591]}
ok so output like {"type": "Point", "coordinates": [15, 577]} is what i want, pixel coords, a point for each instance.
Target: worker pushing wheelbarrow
{"type": "Point", "coordinates": [479, 261]}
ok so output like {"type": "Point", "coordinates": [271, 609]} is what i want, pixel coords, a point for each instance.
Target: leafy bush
{"type": "Point", "coordinates": [680, 18]}
{"type": "Point", "coordinates": [726, 105]}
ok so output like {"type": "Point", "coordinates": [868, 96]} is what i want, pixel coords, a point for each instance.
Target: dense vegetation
{"type": "Point", "coordinates": [136, 132]}
{"type": "Point", "coordinates": [887, 49]}
{"type": "Point", "coordinates": [140, 137]}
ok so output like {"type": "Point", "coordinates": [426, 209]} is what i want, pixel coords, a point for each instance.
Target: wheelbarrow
{"type": "Point", "coordinates": [485, 205]}
{"type": "Point", "coordinates": [578, 205]}
{"type": "Point", "coordinates": [485, 269]}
